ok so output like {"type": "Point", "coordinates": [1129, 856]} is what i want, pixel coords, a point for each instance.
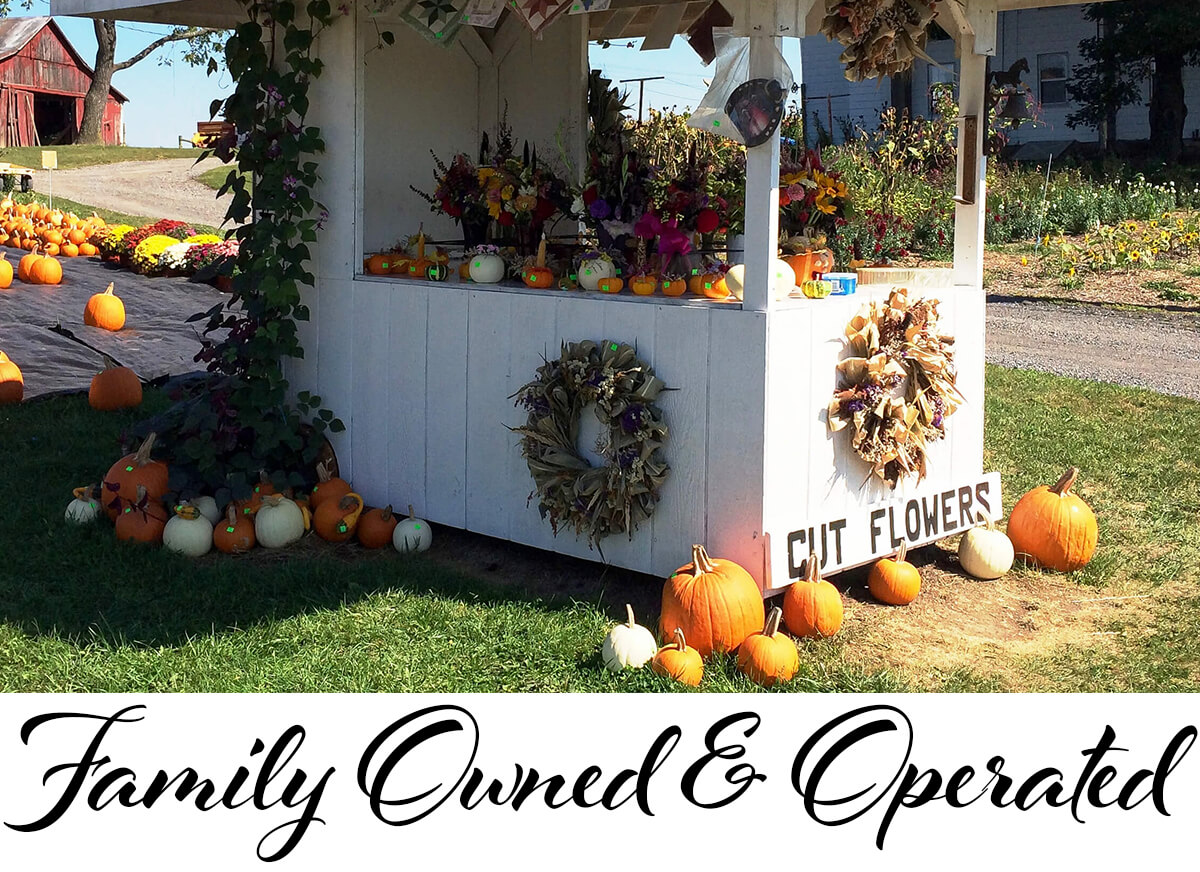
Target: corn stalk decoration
{"type": "Point", "coordinates": [882, 37]}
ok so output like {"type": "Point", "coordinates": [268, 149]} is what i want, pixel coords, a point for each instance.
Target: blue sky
{"type": "Point", "coordinates": [166, 101]}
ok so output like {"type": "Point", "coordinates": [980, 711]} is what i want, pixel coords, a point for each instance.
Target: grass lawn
{"type": "Point", "coordinates": [216, 176]}
{"type": "Point", "coordinates": [81, 612]}
{"type": "Point", "coordinates": [72, 156]}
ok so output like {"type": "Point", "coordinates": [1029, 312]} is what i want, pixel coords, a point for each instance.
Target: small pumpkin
{"type": "Point", "coordinates": [674, 287]}
{"type": "Point", "coordinates": [188, 532]}
{"type": "Point", "coordinates": [104, 310]}
{"type": "Point", "coordinates": [6, 271]}
{"type": "Point", "coordinates": [769, 657]}
{"type": "Point", "coordinates": [375, 527]}
{"type": "Point", "coordinates": [131, 473]}
{"type": "Point", "coordinates": [437, 272]}
{"type": "Point", "coordinates": [538, 275]}
{"type": "Point", "coordinates": [235, 534]}
{"type": "Point", "coordinates": [419, 264]}
{"type": "Point", "coordinates": [715, 602]}
{"type": "Point", "coordinates": [713, 285]}
{"type": "Point", "coordinates": [412, 534]}
{"type": "Point", "coordinates": [628, 645]}
{"type": "Point", "coordinates": [250, 506]}
{"type": "Point", "coordinates": [812, 606]}
{"type": "Point", "coordinates": [87, 249]}
{"type": "Point", "coordinates": [678, 661]}
{"type": "Point", "coordinates": [278, 522]}
{"type": "Point", "coordinates": [335, 520]}
{"type": "Point", "coordinates": [985, 552]}
{"type": "Point", "coordinates": [486, 269]}
{"type": "Point", "coordinates": [643, 286]}
{"type": "Point", "coordinates": [85, 508]}
{"type": "Point", "coordinates": [611, 285]}
{"type": "Point", "coordinates": [114, 387]}
{"type": "Point", "coordinates": [208, 508]}
{"type": "Point", "coordinates": [26, 263]}
{"type": "Point", "coordinates": [379, 264]}
{"type": "Point", "coordinates": [1053, 526]}
{"type": "Point", "coordinates": [328, 487]}
{"type": "Point", "coordinates": [12, 383]}
{"type": "Point", "coordinates": [142, 520]}
{"type": "Point", "coordinates": [816, 289]}
{"type": "Point", "coordinates": [895, 582]}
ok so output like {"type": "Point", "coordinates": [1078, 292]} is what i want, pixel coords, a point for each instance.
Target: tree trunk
{"type": "Point", "coordinates": [1167, 108]}
{"type": "Point", "coordinates": [97, 95]}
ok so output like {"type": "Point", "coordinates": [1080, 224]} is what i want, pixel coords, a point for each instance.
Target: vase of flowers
{"type": "Point", "coordinates": [813, 204]}
{"type": "Point", "coordinates": [461, 195]}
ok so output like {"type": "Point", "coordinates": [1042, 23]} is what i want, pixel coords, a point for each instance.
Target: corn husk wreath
{"type": "Point", "coordinates": [895, 347]}
{"type": "Point", "coordinates": [882, 37]}
{"type": "Point", "coordinates": [615, 497]}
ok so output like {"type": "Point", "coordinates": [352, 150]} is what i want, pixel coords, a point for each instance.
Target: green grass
{"type": "Point", "coordinates": [1192, 271]}
{"type": "Point", "coordinates": [216, 176]}
{"type": "Point", "coordinates": [1169, 290]}
{"type": "Point", "coordinates": [79, 611]}
{"type": "Point", "coordinates": [74, 156]}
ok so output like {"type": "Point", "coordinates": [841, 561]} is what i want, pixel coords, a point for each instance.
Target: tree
{"type": "Point", "coordinates": [1135, 41]}
{"type": "Point", "coordinates": [204, 45]}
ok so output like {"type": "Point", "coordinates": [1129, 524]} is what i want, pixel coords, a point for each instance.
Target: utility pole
{"type": "Point", "coordinates": [642, 90]}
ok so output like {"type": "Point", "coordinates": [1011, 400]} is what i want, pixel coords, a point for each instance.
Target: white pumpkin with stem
{"type": "Point", "coordinates": [188, 532]}
{"type": "Point", "coordinates": [412, 534]}
{"type": "Point", "coordinates": [628, 645]}
{"type": "Point", "coordinates": [278, 522]}
{"type": "Point", "coordinates": [591, 271]}
{"type": "Point", "coordinates": [208, 508]}
{"type": "Point", "coordinates": [985, 552]}
{"type": "Point", "coordinates": [486, 268]}
{"type": "Point", "coordinates": [85, 508]}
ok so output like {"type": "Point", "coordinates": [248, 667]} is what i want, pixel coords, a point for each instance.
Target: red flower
{"type": "Point", "coordinates": [591, 194]}
{"type": "Point", "coordinates": [784, 199]}
{"type": "Point", "coordinates": [707, 221]}
{"type": "Point", "coordinates": [543, 210]}
{"type": "Point", "coordinates": [506, 219]}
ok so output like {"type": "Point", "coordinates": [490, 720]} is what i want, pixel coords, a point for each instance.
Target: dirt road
{"type": "Point", "coordinates": [159, 189]}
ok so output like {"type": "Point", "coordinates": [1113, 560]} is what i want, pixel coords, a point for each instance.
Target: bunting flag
{"type": "Point", "coordinates": [437, 20]}
{"type": "Point", "coordinates": [482, 13]}
{"type": "Point", "coordinates": [538, 13]}
{"type": "Point", "coordinates": [583, 7]}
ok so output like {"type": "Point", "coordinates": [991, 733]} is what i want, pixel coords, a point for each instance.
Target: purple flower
{"type": "Point", "coordinates": [600, 210]}
{"type": "Point", "coordinates": [631, 419]}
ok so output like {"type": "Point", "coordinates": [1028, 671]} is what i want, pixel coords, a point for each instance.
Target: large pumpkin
{"type": "Point", "coordinates": [104, 310]}
{"type": "Point", "coordinates": [143, 519]}
{"type": "Point", "coordinates": [812, 606]}
{"type": "Point", "coordinates": [114, 387]}
{"type": "Point", "coordinates": [715, 602]}
{"type": "Point", "coordinates": [1053, 526]}
{"type": "Point", "coordinates": [335, 520]}
{"type": "Point", "coordinates": [12, 383]}
{"type": "Point", "coordinates": [328, 487]}
{"type": "Point", "coordinates": [132, 471]}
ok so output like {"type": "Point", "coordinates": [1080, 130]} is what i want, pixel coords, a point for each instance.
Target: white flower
{"type": "Point", "coordinates": [174, 256]}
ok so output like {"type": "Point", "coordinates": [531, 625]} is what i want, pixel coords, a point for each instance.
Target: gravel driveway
{"type": "Point", "coordinates": [1152, 349]}
{"type": "Point", "coordinates": [159, 189]}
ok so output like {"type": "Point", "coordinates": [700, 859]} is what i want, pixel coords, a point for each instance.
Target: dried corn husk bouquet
{"type": "Point", "coordinates": [882, 37]}
{"type": "Point", "coordinates": [897, 387]}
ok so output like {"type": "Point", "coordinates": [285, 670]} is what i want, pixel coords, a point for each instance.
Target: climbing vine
{"type": "Point", "coordinates": [241, 421]}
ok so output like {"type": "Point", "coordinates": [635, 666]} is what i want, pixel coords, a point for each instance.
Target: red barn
{"type": "Point", "coordinates": [42, 84]}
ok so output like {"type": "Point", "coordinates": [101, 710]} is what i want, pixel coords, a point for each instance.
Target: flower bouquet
{"type": "Point", "coordinates": [812, 203]}
{"type": "Point", "coordinates": [460, 193]}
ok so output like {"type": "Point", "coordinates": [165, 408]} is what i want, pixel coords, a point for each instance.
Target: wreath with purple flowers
{"type": "Point", "coordinates": [897, 387]}
{"type": "Point", "coordinates": [615, 497]}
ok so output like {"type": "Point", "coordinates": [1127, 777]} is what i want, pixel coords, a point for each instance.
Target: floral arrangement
{"type": "Point", "coordinates": [109, 240]}
{"type": "Point", "coordinates": [145, 256]}
{"type": "Point", "coordinates": [174, 258]}
{"type": "Point", "coordinates": [208, 260]}
{"type": "Point", "coordinates": [203, 238]}
{"type": "Point", "coordinates": [459, 190]}
{"type": "Point", "coordinates": [476, 250]}
{"type": "Point", "coordinates": [615, 497]}
{"type": "Point", "coordinates": [177, 230]}
{"type": "Point", "coordinates": [882, 37]}
{"type": "Point", "coordinates": [898, 385]}
{"type": "Point", "coordinates": [813, 203]}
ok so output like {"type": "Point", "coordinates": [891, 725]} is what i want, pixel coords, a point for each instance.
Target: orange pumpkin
{"type": "Point", "coordinates": [335, 520]}
{"type": "Point", "coordinates": [69, 249]}
{"type": "Point", "coordinates": [46, 270]}
{"type": "Point", "coordinates": [674, 287]}
{"type": "Point", "coordinates": [611, 285]}
{"type": "Point", "coordinates": [770, 656]}
{"type": "Point", "coordinates": [25, 264]}
{"type": "Point", "coordinates": [142, 520]}
{"type": "Point", "coordinates": [249, 506]}
{"type": "Point", "coordinates": [375, 527]}
{"type": "Point", "coordinates": [12, 383]}
{"type": "Point", "coordinates": [812, 606]}
{"type": "Point", "coordinates": [379, 264]}
{"type": "Point", "coordinates": [715, 602]}
{"type": "Point", "coordinates": [6, 271]}
{"type": "Point", "coordinates": [114, 387]}
{"type": "Point", "coordinates": [105, 310]}
{"type": "Point", "coordinates": [1053, 526]}
{"type": "Point", "coordinates": [328, 487]}
{"type": "Point", "coordinates": [643, 286]}
{"type": "Point", "coordinates": [714, 286]}
{"type": "Point", "coordinates": [537, 277]}
{"type": "Point", "coordinates": [86, 249]}
{"type": "Point", "coordinates": [132, 471]}
{"type": "Point", "coordinates": [895, 582]}
{"type": "Point", "coordinates": [678, 661]}
{"type": "Point", "coordinates": [236, 534]}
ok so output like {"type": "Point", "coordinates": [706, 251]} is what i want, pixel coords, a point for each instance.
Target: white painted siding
{"type": "Point", "coordinates": [830, 96]}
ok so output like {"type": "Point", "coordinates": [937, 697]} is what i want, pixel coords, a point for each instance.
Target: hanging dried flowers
{"type": "Point", "coordinates": [882, 37]}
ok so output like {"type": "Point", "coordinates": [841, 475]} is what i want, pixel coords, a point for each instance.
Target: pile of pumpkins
{"type": "Point", "coordinates": [712, 605]}
{"type": "Point", "coordinates": [133, 491]}
{"type": "Point", "coordinates": [54, 232]}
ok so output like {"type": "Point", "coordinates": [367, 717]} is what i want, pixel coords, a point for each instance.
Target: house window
{"type": "Point", "coordinates": [1052, 78]}
{"type": "Point", "coordinates": [947, 73]}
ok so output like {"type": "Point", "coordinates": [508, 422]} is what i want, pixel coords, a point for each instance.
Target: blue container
{"type": "Point", "coordinates": [843, 283]}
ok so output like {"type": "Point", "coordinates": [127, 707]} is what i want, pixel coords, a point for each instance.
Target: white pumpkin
{"type": "Point", "coordinates": [486, 269]}
{"type": "Point", "coordinates": [985, 552]}
{"type": "Point", "coordinates": [208, 508]}
{"type": "Point", "coordinates": [412, 534]}
{"type": "Point", "coordinates": [592, 271]}
{"type": "Point", "coordinates": [188, 532]}
{"type": "Point", "coordinates": [628, 645]}
{"type": "Point", "coordinates": [783, 279]}
{"type": "Point", "coordinates": [85, 508]}
{"type": "Point", "coordinates": [279, 522]}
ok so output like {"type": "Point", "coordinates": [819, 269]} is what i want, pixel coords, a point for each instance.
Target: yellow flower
{"type": "Point", "coordinates": [1135, 255]}
{"type": "Point", "coordinates": [494, 209]}
{"type": "Point", "coordinates": [1071, 272]}
{"type": "Point", "coordinates": [485, 173]}
{"type": "Point", "coordinates": [1024, 262]}
{"type": "Point", "coordinates": [825, 206]}
{"type": "Point", "coordinates": [1121, 246]}
{"type": "Point", "coordinates": [507, 192]}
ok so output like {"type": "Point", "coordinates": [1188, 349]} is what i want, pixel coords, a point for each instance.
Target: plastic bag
{"type": "Point", "coordinates": [737, 107]}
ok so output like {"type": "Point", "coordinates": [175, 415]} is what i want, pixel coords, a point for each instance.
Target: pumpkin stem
{"type": "Point", "coordinates": [680, 642]}
{"type": "Point", "coordinates": [231, 514]}
{"type": "Point", "coordinates": [109, 289]}
{"type": "Point", "coordinates": [812, 568]}
{"type": "Point", "coordinates": [701, 563]}
{"type": "Point", "coordinates": [629, 616]}
{"type": "Point", "coordinates": [386, 514]}
{"type": "Point", "coordinates": [985, 518]}
{"type": "Point", "coordinates": [903, 551]}
{"type": "Point", "coordinates": [322, 472]}
{"type": "Point", "coordinates": [142, 457]}
{"type": "Point", "coordinates": [1063, 486]}
{"type": "Point", "coordinates": [772, 625]}
{"type": "Point", "coordinates": [411, 514]}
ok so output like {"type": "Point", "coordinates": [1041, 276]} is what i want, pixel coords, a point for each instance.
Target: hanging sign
{"type": "Point", "coordinates": [49, 160]}
{"type": "Point", "coordinates": [864, 535]}
{"type": "Point", "coordinates": [538, 13]}
{"type": "Point", "coordinates": [482, 13]}
{"type": "Point", "coordinates": [437, 20]}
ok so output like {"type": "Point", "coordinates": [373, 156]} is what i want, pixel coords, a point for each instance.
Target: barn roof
{"type": "Point", "coordinates": [15, 34]}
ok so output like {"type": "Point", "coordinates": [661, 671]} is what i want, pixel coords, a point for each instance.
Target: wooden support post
{"type": "Point", "coordinates": [762, 173]}
{"type": "Point", "coordinates": [969, 216]}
